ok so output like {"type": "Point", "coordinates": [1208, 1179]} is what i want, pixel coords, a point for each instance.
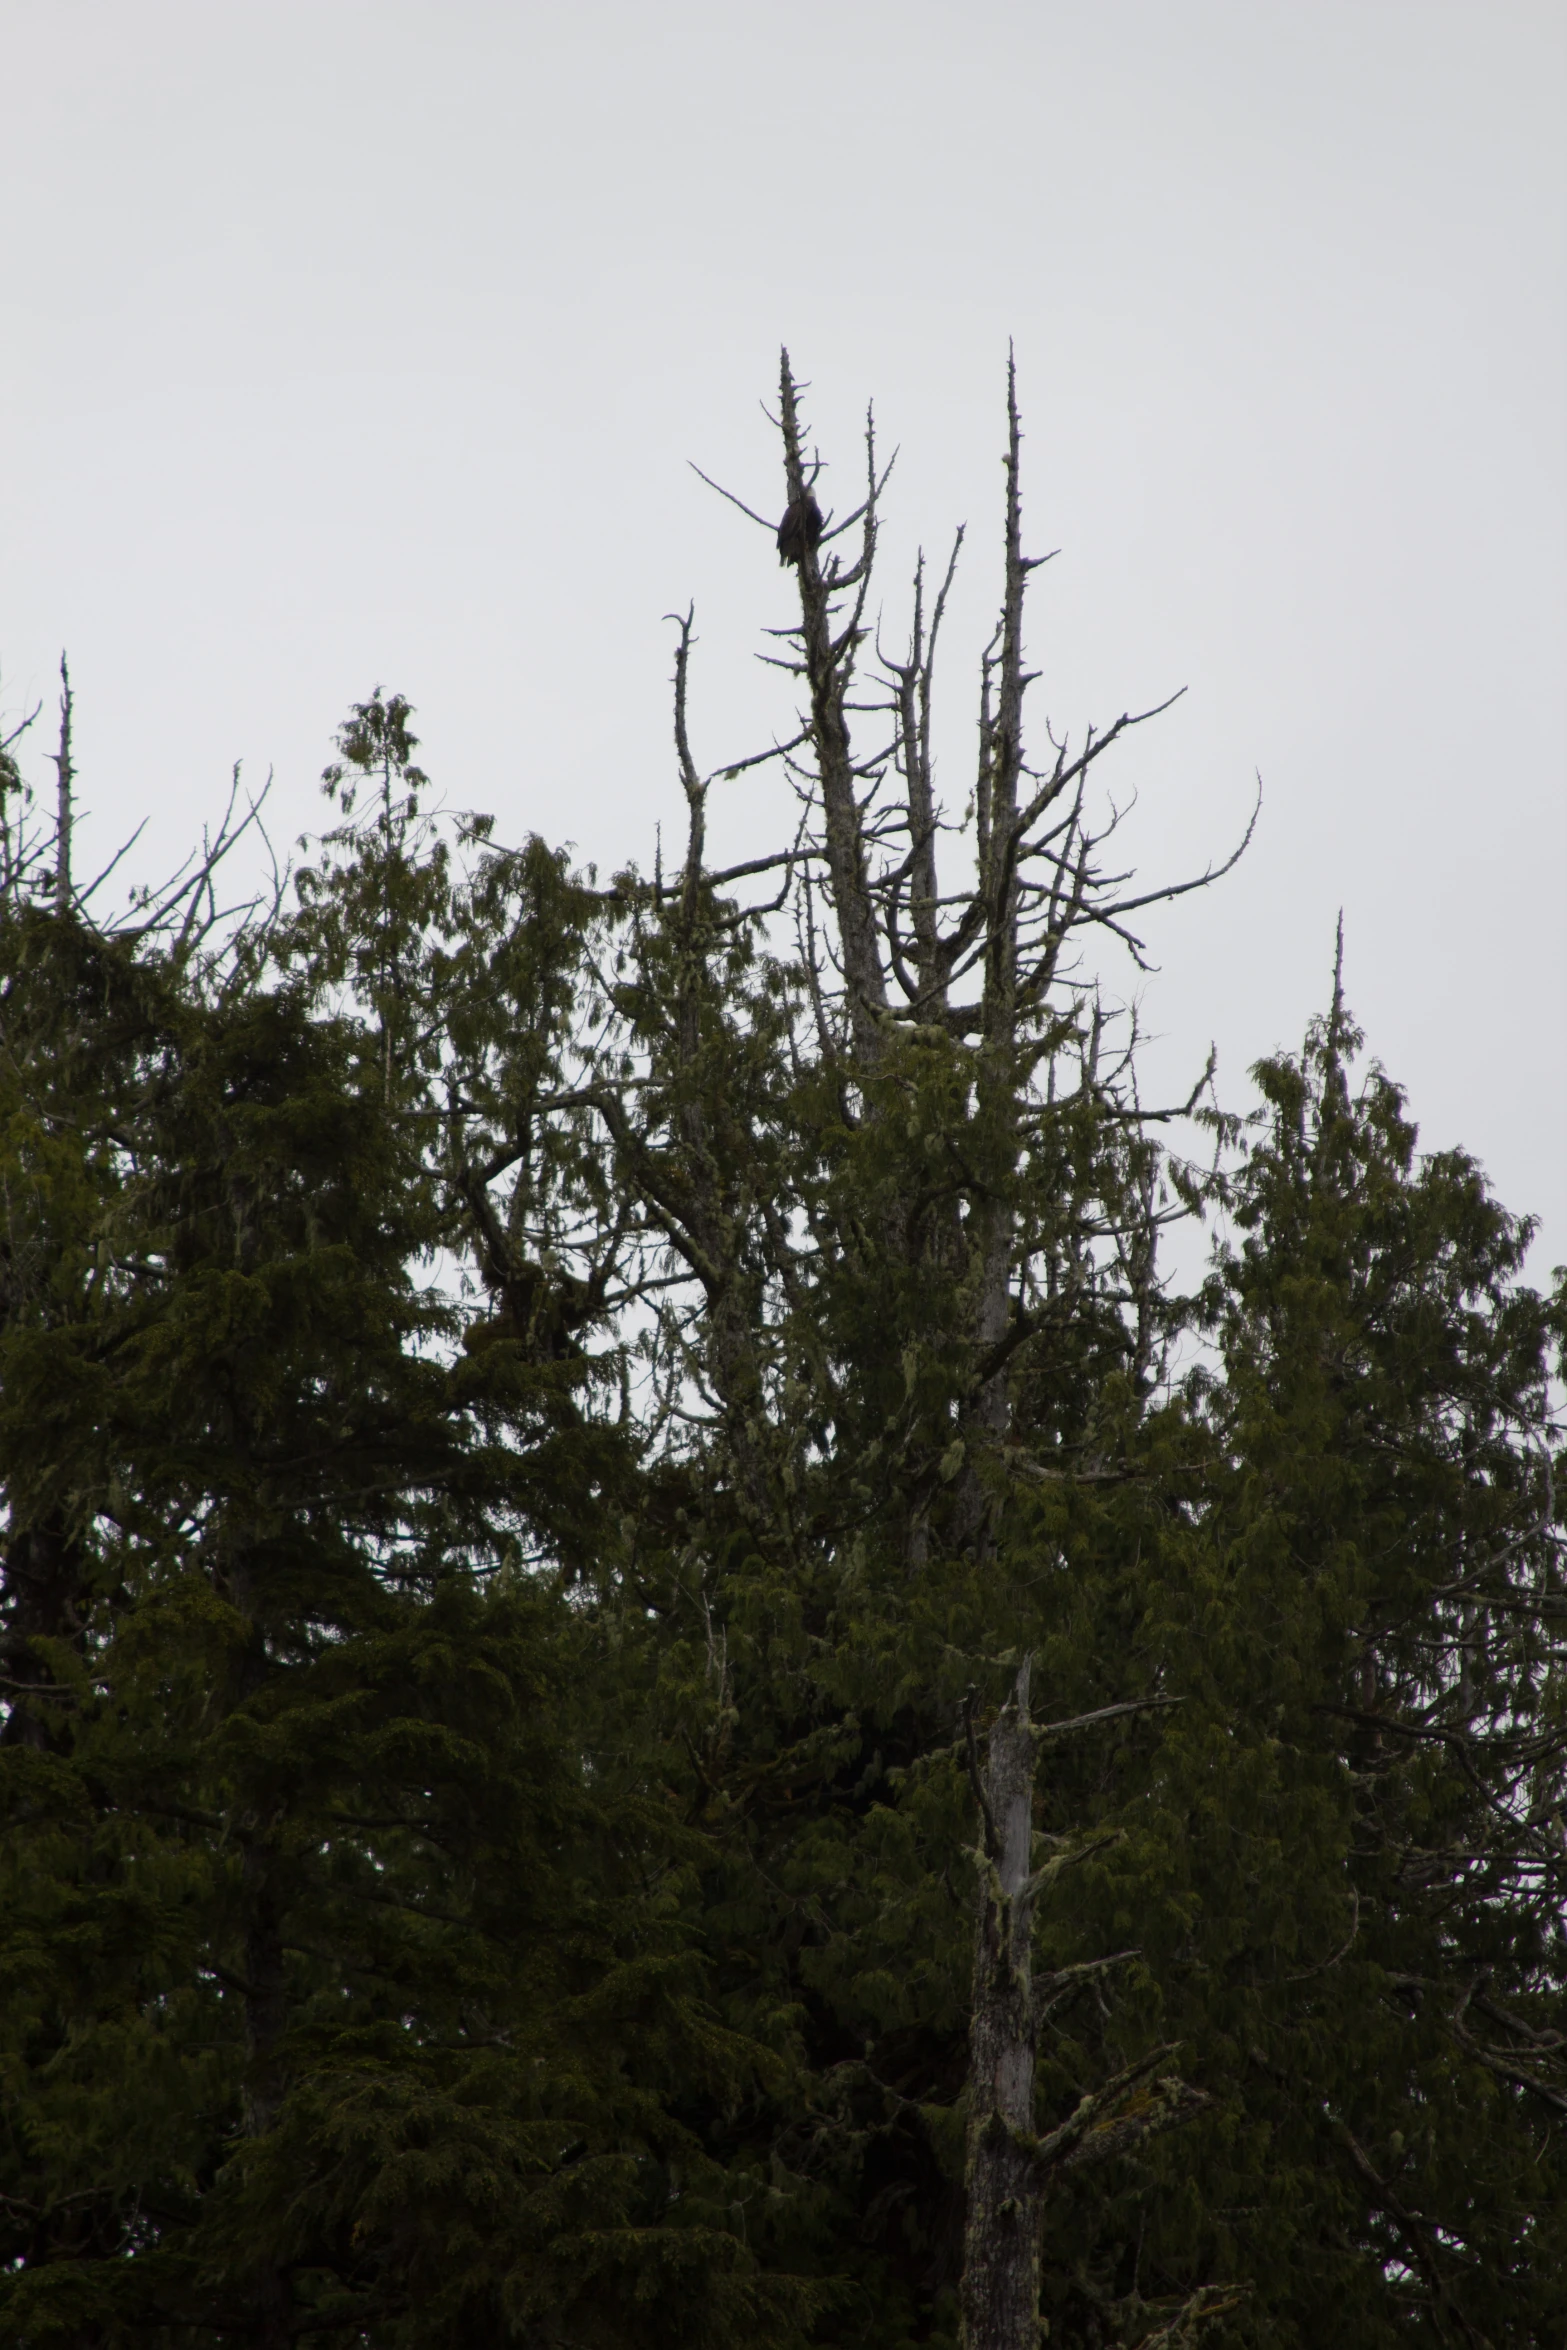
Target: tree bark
{"type": "Point", "coordinates": [1000, 2297]}
{"type": "Point", "coordinates": [66, 773]}
{"type": "Point", "coordinates": [828, 663]}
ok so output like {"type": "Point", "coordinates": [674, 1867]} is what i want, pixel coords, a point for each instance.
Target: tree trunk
{"type": "Point", "coordinates": [828, 662]}
{"type": "Point", "coordinates": [1001, 2237]}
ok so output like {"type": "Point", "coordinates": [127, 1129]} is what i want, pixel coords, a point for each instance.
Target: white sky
{"type": "Point", "coordinates": [345, 343]}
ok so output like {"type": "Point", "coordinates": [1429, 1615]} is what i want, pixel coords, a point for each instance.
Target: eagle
{"type": "Point", "coordinates": [801, 528]}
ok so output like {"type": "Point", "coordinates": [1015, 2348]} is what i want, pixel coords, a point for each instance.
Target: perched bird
{"type": "Point", "coordinates": [800, 528]}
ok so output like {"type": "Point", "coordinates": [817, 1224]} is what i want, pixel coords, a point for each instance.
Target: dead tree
{"type": "Point", "coordinates": [960, 943]}
{"type": "Point", "coordinates": [1010, 2166]}
{"type": "Point", "coordinates": [988, 964]}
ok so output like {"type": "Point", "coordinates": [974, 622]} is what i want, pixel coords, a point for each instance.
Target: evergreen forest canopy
{"type": "Point", "coordinates": [657, 1692]}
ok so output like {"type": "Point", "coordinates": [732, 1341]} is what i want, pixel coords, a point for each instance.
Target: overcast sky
{"type": "Point", "coordinates": [354, 343]}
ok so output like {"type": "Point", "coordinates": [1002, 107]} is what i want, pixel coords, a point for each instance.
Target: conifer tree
{"type": "Point", "coordinates": [336, 1998]}
{"type": "Point", "coordinates": [1360, 1808]}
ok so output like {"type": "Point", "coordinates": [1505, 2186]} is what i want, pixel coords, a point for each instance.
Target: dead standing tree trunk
{"type": "Point", "coordinates": [1009, 2167]}
{"type": "Point", "coordinates": [716, 1210]}
{"type": "Point", "coordinates": [905, 939]}
{"type": "Point", "coordinates": [66, 778]}
{"type": "Point", "coordinates": [998, 1103]}
{"type": "Point", "coordinates": [904, 942]}
{"type": "Point", "coordinates": [1001, 2230]}
{"type": "Point", "coordinates": [1036, 883]}
{"type": "Point", "coordinates": [828, 660]}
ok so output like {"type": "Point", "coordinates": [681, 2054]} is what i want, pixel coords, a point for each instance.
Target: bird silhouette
{"type": "Point", "coordinates": [800, 528]}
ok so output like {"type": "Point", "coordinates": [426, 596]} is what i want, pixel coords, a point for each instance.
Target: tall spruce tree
{"type": "Point", "coordinates": [1360, 1810]}
{"type": "Point", "coordinates": [1342, 1540]}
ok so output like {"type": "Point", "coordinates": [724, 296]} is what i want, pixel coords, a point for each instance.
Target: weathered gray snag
{"type": "Point", "coordinates": [1001, 2234]}
{"type": "Point", "coordinates": [983, 971]}
{"type": "Point", "coordinates": [66, 774]}
{"type": "Point", "coordinates": [828, 663]}
{"type": "Point", "coordinates": [1009, 2166]}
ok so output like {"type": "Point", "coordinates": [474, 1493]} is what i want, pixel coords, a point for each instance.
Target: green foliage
{"type": "Point", "coordinates": [536, 1426]}
{"type": "Point", "coordinates": [342, 1989]}
{"type": "Point", "coordinates": [1344, 1869]}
